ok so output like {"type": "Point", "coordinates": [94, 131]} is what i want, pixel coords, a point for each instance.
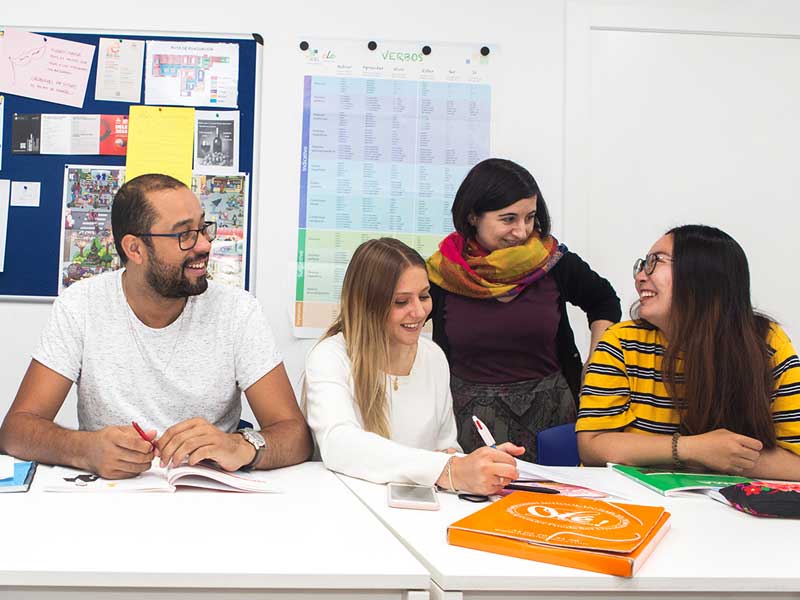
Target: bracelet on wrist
{"type": "Point", "coordinates": [677, 463]}
{"type": "Point", "coordinates": [449, 468]}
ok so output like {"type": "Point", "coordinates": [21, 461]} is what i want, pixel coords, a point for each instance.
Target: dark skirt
{"type": "Point", "coordinates": [513, 412]}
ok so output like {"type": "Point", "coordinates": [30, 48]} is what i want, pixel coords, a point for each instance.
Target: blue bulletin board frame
{"type": "Point", "coordinates": [33, 239]}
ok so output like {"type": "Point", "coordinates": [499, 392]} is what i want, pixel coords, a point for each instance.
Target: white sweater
{"type": "Point", "coordinates": [421, 417]}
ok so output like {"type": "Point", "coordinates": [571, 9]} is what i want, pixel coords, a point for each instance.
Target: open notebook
{"type": "Point", "coordinates": [63, 479]}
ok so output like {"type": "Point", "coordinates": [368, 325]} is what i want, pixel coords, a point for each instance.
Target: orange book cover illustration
{"type": "Point", "coordinates": [584, 533]}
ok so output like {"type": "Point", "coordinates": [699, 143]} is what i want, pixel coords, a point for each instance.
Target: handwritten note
{"type": "Point", "coordinates": [160, 141]}
{"type": "Point", "coordinates": [44, 67]}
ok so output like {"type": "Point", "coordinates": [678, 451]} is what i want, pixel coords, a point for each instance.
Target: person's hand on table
{"type": "Point", "coordinates": [720, 450]}
{"type": "Point", "coordinates": [487, 470]}
{"type": "Point", "coordinates": [117, 452]}
{"type": "Point", "coordinates": [196, 439]}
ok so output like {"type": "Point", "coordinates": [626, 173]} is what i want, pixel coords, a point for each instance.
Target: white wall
{"type": "Point", "coordinates": [528, 106]}
{"type": "Point", "coordinates": [580, 86]}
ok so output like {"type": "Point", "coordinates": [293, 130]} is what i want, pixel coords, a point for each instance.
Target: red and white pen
{"type": "Point", "coordinates": [142, 434]}
{"type": "Point", "coordinates": [484, 432]}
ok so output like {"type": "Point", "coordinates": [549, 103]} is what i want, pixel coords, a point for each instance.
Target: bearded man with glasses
{"type": "Point", "coordinates": [157, 343]}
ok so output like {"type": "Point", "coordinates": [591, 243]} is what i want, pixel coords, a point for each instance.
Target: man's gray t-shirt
{"type": "Point", "coordinates": [197, 366]}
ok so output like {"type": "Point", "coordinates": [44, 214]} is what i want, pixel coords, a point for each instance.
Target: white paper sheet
{"type": "Point", "coordinates": [25, 193]}
{"type": "Point", "coordinates": [119, 70]}
{"type": "Point", "coordinates": [5, 190]}
{"type": "Point", "coordinates": [70, 134]}
{"type": "Point", "coordinates": [6, 466]}
{"type": "Point", "coordinates": [2, 119]}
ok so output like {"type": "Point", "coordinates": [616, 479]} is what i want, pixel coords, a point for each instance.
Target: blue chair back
{"type": "Point", "coordinates": [558, 446]}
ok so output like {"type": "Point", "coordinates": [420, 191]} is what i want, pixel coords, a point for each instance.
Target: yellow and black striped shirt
{"type": "Point", "coordinates": [624, 390]}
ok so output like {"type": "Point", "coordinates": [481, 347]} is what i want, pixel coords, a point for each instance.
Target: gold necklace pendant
{"type": "Point", "coordinates": [395, 383]}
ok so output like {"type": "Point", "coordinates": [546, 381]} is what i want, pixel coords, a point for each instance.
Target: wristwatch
{"type": "Point", "coordinates": [259, 443]}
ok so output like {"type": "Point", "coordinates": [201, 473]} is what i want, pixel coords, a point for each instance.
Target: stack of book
{"type": "Point", "coordinates": [584, 533]}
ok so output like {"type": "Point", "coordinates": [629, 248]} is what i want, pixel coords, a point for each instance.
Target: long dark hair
{"type": "Point", "coordinates": [727, 378]}
{"type": "Point", "coordinates": [493, 184]}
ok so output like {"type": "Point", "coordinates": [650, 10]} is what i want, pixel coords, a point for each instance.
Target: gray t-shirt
{"type": "Point", "coordinates": [197, 366]}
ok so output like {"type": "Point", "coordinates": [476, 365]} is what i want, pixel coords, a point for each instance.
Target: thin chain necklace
{"type": "Point", "coordinates": [165, 361]}
{"type": "Point", "coordinates": [395, 379]}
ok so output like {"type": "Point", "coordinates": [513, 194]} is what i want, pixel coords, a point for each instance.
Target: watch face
{"type": "Point", "coordinates": [254, 437]}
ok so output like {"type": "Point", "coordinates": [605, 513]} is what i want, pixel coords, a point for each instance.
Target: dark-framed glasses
{"type": "Point", "coordinates": [188, 239]}
{"type": "Point", "coordinates": [649, 262]}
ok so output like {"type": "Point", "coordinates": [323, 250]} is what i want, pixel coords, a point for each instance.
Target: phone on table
{"type": "Point", "coordinates": [406, 495]}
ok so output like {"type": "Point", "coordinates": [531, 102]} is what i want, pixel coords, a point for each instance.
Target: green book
{"type": "Point", "coordinates": [671, 483]}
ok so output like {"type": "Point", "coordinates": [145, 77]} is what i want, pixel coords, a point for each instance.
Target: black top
{"type": "Point", "coordinates": [578, 285]}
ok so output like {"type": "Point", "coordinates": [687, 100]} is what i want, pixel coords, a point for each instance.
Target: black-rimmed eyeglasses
{"type": "Point", "coordinates": [649, 262]}
{"type": "Point", "coordinates": [188, 239]}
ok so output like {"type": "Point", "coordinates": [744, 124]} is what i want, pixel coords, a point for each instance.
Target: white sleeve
{"type": "Point", "coordinates": [61, 344]}
{"type": "Point", "coordinates": [344, 444]}
{"type": "Point", "coordinates": [255, 351]}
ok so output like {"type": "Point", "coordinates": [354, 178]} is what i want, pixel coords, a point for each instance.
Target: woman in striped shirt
{"type": "Point", "coordinates": [698, 379]}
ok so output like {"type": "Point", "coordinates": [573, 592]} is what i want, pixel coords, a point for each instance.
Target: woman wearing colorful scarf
{"type": "Point", "coordinates": [500, 284]}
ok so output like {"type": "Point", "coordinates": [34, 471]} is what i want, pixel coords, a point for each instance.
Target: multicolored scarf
{"type": "Point", "coordinates": [464, 267]}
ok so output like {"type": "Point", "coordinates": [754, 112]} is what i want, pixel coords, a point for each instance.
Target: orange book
{"type": "Point", "coordinates": [583, 533]}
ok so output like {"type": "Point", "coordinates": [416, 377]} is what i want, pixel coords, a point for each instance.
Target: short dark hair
{"type": "Point", "coordinates": [493, 184]}
{"type": "Point", "coordinates": [131, 212]}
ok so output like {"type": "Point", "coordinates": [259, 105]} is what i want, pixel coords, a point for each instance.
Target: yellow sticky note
{"type": "Point", "coordinates": [160, 140]}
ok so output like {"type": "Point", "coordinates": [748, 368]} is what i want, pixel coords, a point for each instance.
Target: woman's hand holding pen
{"type": "Point", "coordinates": [117, 452]}
{"type": "Point", "coordinates": [486, 470]}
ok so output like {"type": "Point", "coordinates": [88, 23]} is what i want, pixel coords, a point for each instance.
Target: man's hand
{"type": "Point", "coordinates": [720, 450]}
{"type": "Point", "coordinates": [117, 452]}
{"type": "Point", "coordinates": [197, 439]}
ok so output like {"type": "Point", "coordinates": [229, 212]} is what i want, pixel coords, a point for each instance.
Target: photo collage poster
{"type": "Point", "coordinates": [224, 200]}
{"type": "Point", "coordinates": [87, 243]}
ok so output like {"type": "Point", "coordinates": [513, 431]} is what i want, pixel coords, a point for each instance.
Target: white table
{"type": "Point", "coordinates": [315, 539]}
{"type": "Point", "coordinates": [712, 551]}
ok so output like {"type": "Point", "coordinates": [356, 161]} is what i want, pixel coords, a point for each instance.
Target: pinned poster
{"type": "Point", "coordinates": [216, 141]}
{"type": "Point", "coordinates": [192, 74]}
{"type": "Point", "coordinates": [44, 67]}
{"type": "Point", "coordinates": [26, 134]}
{"type": "Point", "coordinates": [224, 200]}
{"type": "Point", "coordinates": [113, 134]}
{"type": "Point", "coordinates": [160, 141]}
{"type": "Point", "coordinates": [119, 70]}
{"type": "Point", "coordinates": [87, 241]}
{"type": "Point", "coordinates": [5, 190]}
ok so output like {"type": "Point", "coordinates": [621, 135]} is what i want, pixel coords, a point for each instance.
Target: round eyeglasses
{"type": "Point", "coordinates": [649, 262]}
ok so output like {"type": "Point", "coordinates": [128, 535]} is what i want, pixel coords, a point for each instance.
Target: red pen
{"type": "Point", "coordinates": [142, 434]}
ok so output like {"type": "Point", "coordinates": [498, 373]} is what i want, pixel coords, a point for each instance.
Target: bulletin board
{"type": "Point", "coordinates": [33, 239]}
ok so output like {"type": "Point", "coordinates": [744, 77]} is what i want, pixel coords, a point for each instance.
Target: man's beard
{"type": "Point", "coordinates": [170, 282]}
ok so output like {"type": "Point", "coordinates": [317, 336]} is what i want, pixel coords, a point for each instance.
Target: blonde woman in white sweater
{"type": "Point", "coordinates": [378, 395]}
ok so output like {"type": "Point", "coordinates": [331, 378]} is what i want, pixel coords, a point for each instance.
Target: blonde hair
{"type": "Point", "coordinates": [367, 294]}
